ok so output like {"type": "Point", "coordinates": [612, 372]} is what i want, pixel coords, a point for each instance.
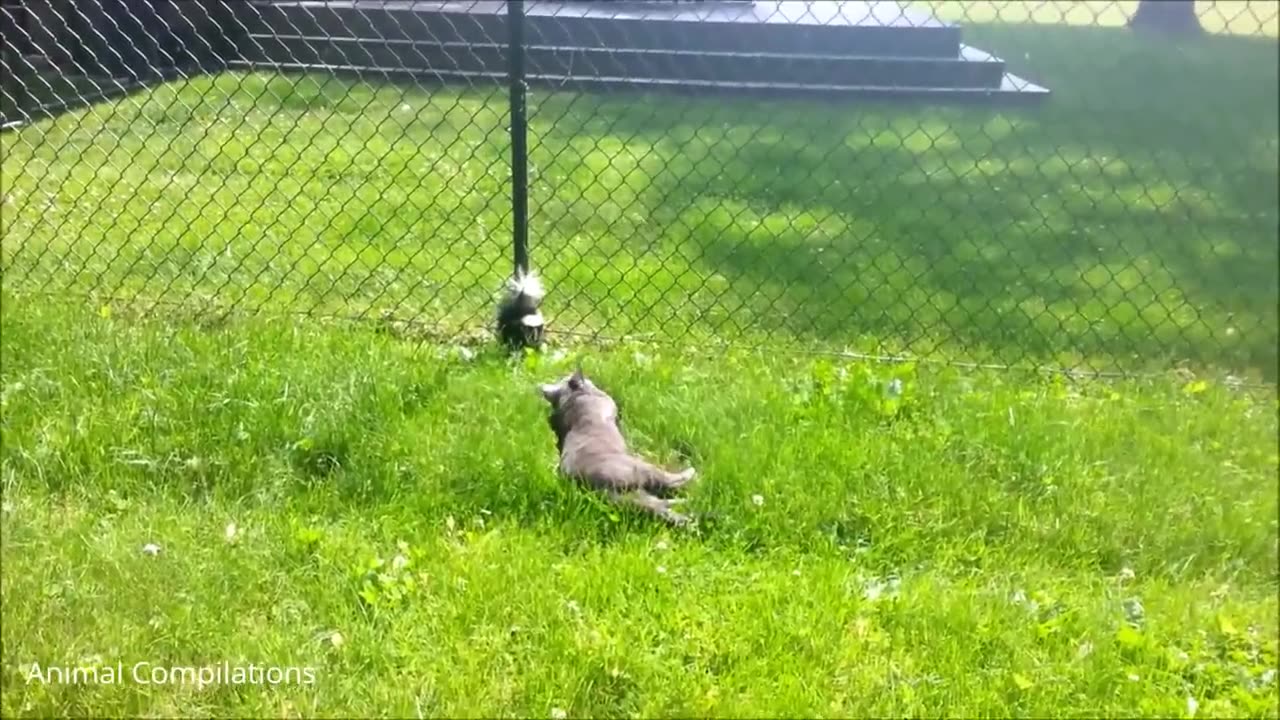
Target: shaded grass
{"type": "Point", "coordinates": [1111, 223]}
{"type": "Point", "coordinates": [963, 548]}
{"type": "Point", "coordinates": [1130, 222]}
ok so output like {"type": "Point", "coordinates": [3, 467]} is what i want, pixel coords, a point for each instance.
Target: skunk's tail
{"type": "Point", "coordinates": [525, 290]}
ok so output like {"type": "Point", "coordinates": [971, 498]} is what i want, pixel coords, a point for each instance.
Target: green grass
{"type": "Point", "coordinates": [963, 550]}
{"type": "Point", "coordinates": [985, 544]}
{"type": "Point", "coordinates": [1130, 222]}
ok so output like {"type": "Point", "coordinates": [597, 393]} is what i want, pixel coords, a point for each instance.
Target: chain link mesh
{"type": "Point", "coordinates": [1075, 185]}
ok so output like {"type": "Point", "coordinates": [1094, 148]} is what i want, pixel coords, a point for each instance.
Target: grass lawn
{"type": "Point", "coordinates": [985, 544]}
{"type": "Point", "coordinates": [184, 490]}
{"type": "Point", "coordinates": [1129, 222]}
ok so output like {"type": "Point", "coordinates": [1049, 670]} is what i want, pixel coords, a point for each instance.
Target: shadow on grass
{"type": "Point", "coordinates": [1132, 218]}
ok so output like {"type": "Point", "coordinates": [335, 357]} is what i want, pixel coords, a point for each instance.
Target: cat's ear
{"type": "Point", "coordinates": [577, 379]}
{"type": "Point", "coordinates": [551, 392]}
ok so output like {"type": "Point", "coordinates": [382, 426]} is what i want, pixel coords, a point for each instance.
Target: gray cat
{"type": "Point", "coordinates": [592, 451]}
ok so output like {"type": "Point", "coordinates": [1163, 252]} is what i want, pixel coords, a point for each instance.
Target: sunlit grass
{"type": "Point", "coordinates": [878, 540]}
{"type": "Point", "coordinates": [949, 543]}
{"type": "Point", "coordinates": [1076, 234]}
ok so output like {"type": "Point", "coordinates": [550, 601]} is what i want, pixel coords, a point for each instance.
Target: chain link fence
{"type": "Point", "coordinates": [1073, 185]}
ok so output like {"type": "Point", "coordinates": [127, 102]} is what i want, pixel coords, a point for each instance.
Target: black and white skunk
{"type": "Point", "coordinates": [520, 323]}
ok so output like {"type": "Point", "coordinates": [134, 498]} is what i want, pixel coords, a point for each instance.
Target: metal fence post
{"type": "Point", "coordinates": [519, 150]}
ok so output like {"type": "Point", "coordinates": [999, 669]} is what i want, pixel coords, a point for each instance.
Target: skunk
{"type": "Point", "coordinates": [520, 323]}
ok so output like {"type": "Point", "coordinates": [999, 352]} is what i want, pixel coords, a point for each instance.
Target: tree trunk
{"type": "Point", "coordinates": [1170, 16]}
